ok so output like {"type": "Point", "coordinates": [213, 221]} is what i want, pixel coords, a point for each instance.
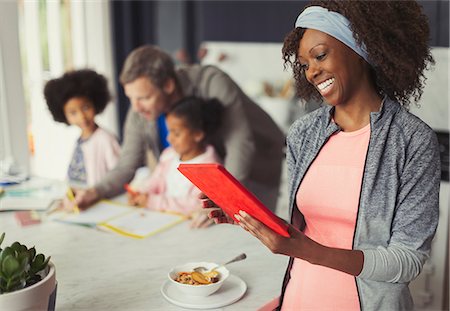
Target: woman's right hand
{"type": "Point", "coordinates": [215, 212]}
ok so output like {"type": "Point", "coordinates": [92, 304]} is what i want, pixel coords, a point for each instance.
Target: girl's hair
{"type": "Point", "coordinates": [202, 115]}
{"type": "Point", "coordinates": [395, 34]}
{"type": "Point", "coordinates": [83, 83]}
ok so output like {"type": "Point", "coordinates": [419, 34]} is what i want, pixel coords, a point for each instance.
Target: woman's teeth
{"type": "Point", "coordinates": [325, 84]}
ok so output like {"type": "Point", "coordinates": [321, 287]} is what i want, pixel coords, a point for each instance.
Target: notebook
{"type": "Point", "coordinates": [36, 194]}
{"type": "Point", "coordinates": [24, 203]}
{"type": "Point", "coordinates": [121, 219]}
{"type": "Point", "coordinates": [228, 193]}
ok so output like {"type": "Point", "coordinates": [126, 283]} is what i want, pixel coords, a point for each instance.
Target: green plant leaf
{"type": "Point", "coordinates": [19, 266]}
{"type": "Point", "coordinates": [10, 266]}
{"type": "Point", "coordinates": [32, 252]}
{"type": "Point", "coordinates": [38, 264]}
{"type": "Point", "coordinates": [16, 246]}
{"type": "Point", "coordinates": [15, 284]}
{"type": "Point", "coordinates": [8, 251]}
{"type": "Point", "coordinates": [24, 262]}
{"type": "Point", "coordinates": [38, 260]}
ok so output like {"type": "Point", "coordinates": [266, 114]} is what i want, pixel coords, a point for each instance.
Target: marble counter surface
{"type": "Point", "coordinates": [98, 270]}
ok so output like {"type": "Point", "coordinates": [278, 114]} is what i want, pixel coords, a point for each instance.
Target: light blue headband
{"type": "Point", "coordinates": [333, 24]}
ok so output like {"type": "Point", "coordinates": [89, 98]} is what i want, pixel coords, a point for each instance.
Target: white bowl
{"type": "Point", "coordinates": [198, 290]}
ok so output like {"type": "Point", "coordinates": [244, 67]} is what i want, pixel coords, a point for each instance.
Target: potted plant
{"type": "Point", "coordinates": [27, 279]}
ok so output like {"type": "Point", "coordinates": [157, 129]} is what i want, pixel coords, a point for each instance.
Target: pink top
{"type": "Point", "coordinates": [101, 153]}
{"type": "Point", "coordinates": [328, 197]}
{"type": "Point", "coordinates": [168, 189]}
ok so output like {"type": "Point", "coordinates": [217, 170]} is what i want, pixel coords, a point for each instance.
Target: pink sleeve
{"type": "Point", "coordinates": [155, 183]}
{"type": "Point", "coordinates": [184, 205]}
{"type": "Point", "coordinates": [101, 153]}
{"type": "Point", "coordinates": [112, 153]}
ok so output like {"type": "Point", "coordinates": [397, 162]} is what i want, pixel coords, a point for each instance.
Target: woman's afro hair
{"type": "Point", "coordinates": [395, 34]}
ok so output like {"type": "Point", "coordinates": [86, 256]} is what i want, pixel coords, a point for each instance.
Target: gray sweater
{"type": "Point", "coordinates": [253, 142]}
{"type": "Point", "coordinates": [399, 200]}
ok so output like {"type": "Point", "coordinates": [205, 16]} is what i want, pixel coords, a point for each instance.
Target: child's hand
{"type": "Point", "coordinates": [84, 198]}
{"type": "Point", "coordinates": [138, 199]}
{"type": "Point", "coordinates": [200, 220]}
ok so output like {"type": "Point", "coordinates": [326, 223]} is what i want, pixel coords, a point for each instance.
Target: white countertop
{"type": "Point", "coordinates": [98, 270]}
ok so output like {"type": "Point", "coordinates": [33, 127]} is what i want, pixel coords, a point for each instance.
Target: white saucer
{"type": "Point", "coordinates": [231, 291]}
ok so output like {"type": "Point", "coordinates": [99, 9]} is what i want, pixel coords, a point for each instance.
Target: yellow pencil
{"type": "Point", "coordinates": [71, 197]}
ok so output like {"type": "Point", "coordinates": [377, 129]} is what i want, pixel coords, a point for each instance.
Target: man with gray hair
{"type": "Point", "coordinates": [253, 143]}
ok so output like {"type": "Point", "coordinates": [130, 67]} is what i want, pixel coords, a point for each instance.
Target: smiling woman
{"type": "Point", "coordinates": [363, 171]}
{"type": "Point", "coordinates": [364, 35]}
{"type": "Point", "coordinates": [339, 75]}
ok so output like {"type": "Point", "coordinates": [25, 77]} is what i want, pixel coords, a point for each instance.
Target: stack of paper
{"type": "Point", "coordinates": [34, 194]}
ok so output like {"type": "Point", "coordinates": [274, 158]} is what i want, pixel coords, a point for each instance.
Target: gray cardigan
{"type": "Point", "coordinates": [399, 200]}
{"type": "Point", "coordinates": [253, 142]}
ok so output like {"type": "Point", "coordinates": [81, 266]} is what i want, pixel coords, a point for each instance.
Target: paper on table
{"type": "Point", "coordinates": [122, 219]}
{"type": "Point", "coordinates": [142, 223]}
{"type": "Point", "coordinates": [34, 194]}
{"type": "Point", "coordinates": [24, 203]}
{"type": "Point", "coordinates": [100, 212]}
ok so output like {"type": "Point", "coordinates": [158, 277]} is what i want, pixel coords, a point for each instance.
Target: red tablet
{"type": "Point", "coordinates": [228, 193]}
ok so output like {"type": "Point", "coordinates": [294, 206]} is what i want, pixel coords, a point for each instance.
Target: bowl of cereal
{"type": "Point", "coordinates": [195, 283]}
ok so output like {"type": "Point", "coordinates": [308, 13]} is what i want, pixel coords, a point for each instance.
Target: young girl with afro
{"type": "Point", "coordinates": [193, 125]}
{"type": "Point", "coordinates": [363, 172]}
{"type": "Point", "coordinates": [75, 99]}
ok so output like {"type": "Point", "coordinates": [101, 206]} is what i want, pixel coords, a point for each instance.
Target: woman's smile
{"type": "Point", "coordinates": [325, 87]}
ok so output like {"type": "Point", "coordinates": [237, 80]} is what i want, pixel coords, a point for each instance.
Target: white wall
{"type": "Point", "coordinates": [91, 48]}
{"type": "Point", "coordinates": [427, 289]}
{"type": "Point", "coordinates": [12, 105]}
{"type": "Point", "coordinates": [434, 104]}
{"type": "Point", "coordinates": [253, 65]}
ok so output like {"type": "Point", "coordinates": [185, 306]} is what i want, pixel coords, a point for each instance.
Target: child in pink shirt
{"type": "Point", "coordinates": [75, 99]}
{"type": "Point", "coordinates": [192, 126]}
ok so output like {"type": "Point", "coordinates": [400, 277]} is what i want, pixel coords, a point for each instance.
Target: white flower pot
{"type": "Point", "coordinates": [40, 296]}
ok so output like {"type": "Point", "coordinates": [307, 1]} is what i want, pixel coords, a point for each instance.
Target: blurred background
{"type": "Point", "coordinates": [41, 39]}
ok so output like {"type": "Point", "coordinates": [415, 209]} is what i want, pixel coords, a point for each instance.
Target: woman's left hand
{"type": "Point", "coordinates": [297, 245]}
{"type": "Point", "coordinates": [300, 246]}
